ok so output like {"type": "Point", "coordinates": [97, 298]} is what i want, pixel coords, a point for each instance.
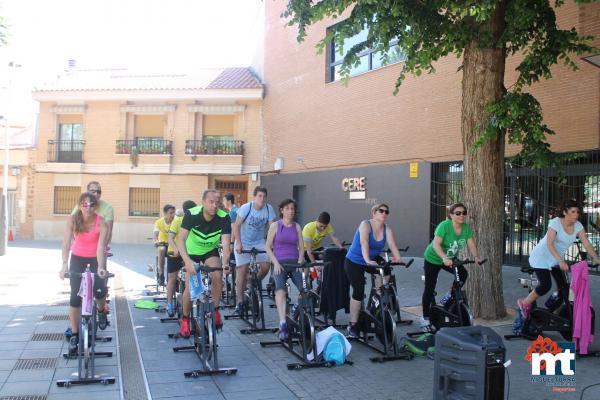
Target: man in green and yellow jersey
{"type": "Point", "coordinates": [203, 229]}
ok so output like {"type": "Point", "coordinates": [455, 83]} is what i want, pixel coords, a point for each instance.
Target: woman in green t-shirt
{"type": "Point", "coordinates": [450, 237]}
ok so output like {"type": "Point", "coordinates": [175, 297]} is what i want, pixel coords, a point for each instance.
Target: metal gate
{"type": "Point", "coordinates": [531, 197]}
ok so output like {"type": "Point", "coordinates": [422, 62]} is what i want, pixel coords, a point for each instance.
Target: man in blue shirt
{"type": "Point", "coordinates": [252, 221]}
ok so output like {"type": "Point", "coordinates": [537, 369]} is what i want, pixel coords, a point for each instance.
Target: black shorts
{"type": "Point", "coordinates": [78, 265]}
{"type": "Point", "coordinates": [174, 264]}
{"type": "Point", "coordinates": [202, 258]}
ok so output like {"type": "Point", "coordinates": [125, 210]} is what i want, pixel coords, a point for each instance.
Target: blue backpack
{"type": "Point", "coordinates": [335, 350]}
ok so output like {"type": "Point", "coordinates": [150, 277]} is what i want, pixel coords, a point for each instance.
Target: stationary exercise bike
{"type": "Point", "coordinates": [159, 281]}
{"type": "Point", "coordinates": [377, 318]}
{"type": "Point", "coordinates": [228, 297]}
{"type": "Point", "coordinates": [205, 332]}
{"type": "Point", "coordinates": [302, 339]}
{"type": "Point", "coordinates": [558, 317]}
{"type": "Point", "coordinates": [177, 299]}
{"type": "Point", "coordinates": [86, 350]}
{"type": "Point", "coordinates": [393, 287]}
{"type": "Point", "coordinates": [253, 312]}
{"type": "Point", "coordinates": [455, 311]}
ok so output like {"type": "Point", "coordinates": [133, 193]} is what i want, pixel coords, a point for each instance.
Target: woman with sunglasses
{"type": "Point", "coordinates": [85, 236]}
{"type": "Point", "coordinates": [369, 240]}
{"type": "Point", "coordinates": [450, 237]}
{"type": "Point", "coordinates": [547, 257]}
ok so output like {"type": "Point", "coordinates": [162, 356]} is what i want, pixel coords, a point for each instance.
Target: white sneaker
{"type": "Point", "coordinates": [425, 325]}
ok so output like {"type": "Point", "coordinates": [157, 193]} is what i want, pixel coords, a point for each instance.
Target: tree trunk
{"type": "Point", "coordinates": [483, 83]}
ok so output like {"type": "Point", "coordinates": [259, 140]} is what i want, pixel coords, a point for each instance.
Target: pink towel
{"type": "Point", "coordinates": [86, 289]}
{"type": "Point", "coordinates": [582, 304]}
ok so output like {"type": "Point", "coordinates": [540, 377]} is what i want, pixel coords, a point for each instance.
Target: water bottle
{"type": "Point", "coordinates": [446, 298]}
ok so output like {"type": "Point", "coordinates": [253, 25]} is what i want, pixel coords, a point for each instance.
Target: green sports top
{"type": "Point", "coordinates": [204, 236]}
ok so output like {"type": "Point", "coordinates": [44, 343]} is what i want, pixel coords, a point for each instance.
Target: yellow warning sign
{"type": "Point", "coordinates": [414, 170]}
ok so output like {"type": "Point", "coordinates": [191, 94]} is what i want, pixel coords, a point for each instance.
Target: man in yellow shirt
{"type": "Point", "coordinates": [161, 235]}
{"type": "Point", "coordinates": [174, 260]}
{"type": "Point", "coordinates": [314, 232]}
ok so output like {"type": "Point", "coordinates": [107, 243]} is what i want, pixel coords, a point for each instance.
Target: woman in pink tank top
{"type": "Point", "coordinates": [85, 238]}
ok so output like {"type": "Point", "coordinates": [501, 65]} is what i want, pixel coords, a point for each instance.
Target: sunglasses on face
{"type": "Point", "coordinates": [95, 191]}
{"type": "Point", "coordinates": [87, 204]}
{"type": "Point", "coordinates": [383, 211]}
{"type": "Point", "coordinates": [459, 213]}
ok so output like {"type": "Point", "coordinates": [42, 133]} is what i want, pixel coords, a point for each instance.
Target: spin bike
{"type": "Point", "coordinates": [228, 298]}
{"type": "Point", "coordinates": [253, 311]}
{"type": "Point", "coordinates": [158, 283]}
{"type": "Point", "coordinates": [302, 338]}
{"type": "Point", "coordinates": [86, 350]}
{"type": "Point", "coordinates": [393, 287]}
{"type": "Point", "coordinates": [556, 318]}
{"type": "Point", "coordinates": [455, 312]}
{"type": "Point", "coordinates": [177, 299]}
{"type": "Point", "coordinates": [377, 318]}
{"type": "Point", "coordinates": [205, 331]}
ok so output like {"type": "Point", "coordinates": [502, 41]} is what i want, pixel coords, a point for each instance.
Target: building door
{"type": "Point", "coordinates": [299, 194]}
{"type": "Point", "coordinates": [238, 189]}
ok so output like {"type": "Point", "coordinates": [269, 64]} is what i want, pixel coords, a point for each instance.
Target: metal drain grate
{"type": "Point", "coordinates": [25, 397]}
{"type": "Point", "coordinates": [47, 337]}
{"type": "Point", "coordinates": [35, 363]}
{"type": "Point", "coordinates": [55, 317]}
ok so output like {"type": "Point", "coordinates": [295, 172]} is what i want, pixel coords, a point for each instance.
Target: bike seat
{"type": "Point", "coordinates": [527, 270]}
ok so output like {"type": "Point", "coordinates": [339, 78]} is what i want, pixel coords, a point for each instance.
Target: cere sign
{"type": "Point", "coordinates": [356, 187]}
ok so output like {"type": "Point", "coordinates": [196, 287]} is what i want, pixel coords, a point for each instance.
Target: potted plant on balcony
{"type": "Point", "coordinates": [133, 156]}
{"type": "Point", "coordinates": [122, 148]}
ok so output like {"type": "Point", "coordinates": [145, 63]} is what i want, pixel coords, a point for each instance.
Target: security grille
{"type": "Point", "coordinates": [35, 363]}
{"type": "Point", "coordinates": [47, 337]}
{"type": "Point", "coordinates": [54, 317]}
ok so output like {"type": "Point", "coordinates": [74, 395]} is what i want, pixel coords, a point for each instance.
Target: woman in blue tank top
{"type": "Point", "coordinates": [369, 241]}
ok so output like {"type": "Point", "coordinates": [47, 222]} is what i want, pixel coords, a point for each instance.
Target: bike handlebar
{"type": "Point", "coordinates": [456, 262]}
{"type": "Point", "coordinates": [206, 268]}
{"type": "Point", "coordinates": [396, 264]}
{"type": "Point", "coordinates": [404, 250]}
{"type": "Point", "coordinates": [254, 251]}
{"type": "Point", "coordinates": [305, 264]}
{"type": "Point", "coordinates": [79, 274]}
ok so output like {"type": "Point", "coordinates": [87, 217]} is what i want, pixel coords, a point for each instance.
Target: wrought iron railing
{"type": "Point", "coordinates": [144, 145]}
{"type": "Point", "coordinates": [214, 146]}
{"type": "Point", "coordinates": [67, 151]}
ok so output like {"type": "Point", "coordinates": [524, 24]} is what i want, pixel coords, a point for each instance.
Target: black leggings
{"type": "Point", "coordinates": [431, 277]}
{"type": "Point", "coordinates": [78, 265]}
{"type": "Point", "coordinates": [545, 283]}
{"type": "Point", "coordinates": [356, 276]}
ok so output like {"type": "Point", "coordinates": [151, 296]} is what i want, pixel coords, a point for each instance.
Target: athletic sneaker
{"type": "Point", "coordinates": [352, 332]}
{"type": "Point", "coordinates": [68, 333]}
{"type": "Point", "coordinates": [170, 310]}
{"type": "Point", "coordinates": [73, 344]}
{"type": "Point", "coordinates": [103, 318]}
{"type": "Point", "coordinates": [283, 331]}
{"type": "Point", "coordinates": [218, 320]}
{"type": "Point", "coordinates": [425, 325]}
{"type": "Point", "coordinates": [184, 327]}
{"type": "Point", "coordinates": [239, 310]}
{"type": "Point", "coordinates": [525, 308]}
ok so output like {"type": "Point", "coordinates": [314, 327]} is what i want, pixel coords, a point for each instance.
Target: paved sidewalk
{"type": "Point", "coordinates": [29, 290]}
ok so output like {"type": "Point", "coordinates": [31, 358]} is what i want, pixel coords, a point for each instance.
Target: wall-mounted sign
{"type": "Point", "coordinates": [414, 170]}
{"type": "Point", "coordinates": [354, 184]}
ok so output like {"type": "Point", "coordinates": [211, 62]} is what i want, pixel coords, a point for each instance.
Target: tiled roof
{"type": "Point", "coordinates": [221, 78]}
{"type": "Point", "coordinates": [235, 78]}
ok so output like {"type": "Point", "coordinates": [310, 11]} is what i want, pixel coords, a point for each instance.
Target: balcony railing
{"type": "Point", "coordinates": [144, 145]}
{"type": "Point", "coordinates": [214, 146]}
{"type": "Point", "coordinates": [67, 151]}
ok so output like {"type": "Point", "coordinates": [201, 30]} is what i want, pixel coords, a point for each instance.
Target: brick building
{"type": "Point", "coordinates": [148, 139]}
{"type": "Point", "coordinates": [321, 134]}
